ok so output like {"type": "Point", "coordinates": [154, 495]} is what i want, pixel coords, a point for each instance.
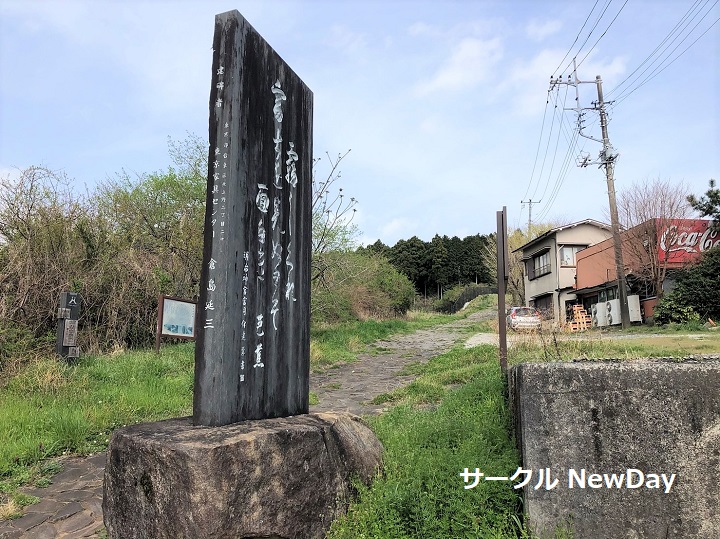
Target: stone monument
{"type": "Point", "coordinates": [253, 344]}
{"type": "Point", "coordinates": [251, 462]}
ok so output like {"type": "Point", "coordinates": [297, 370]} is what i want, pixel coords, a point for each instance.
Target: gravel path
{"type": "Point", "coordinates": [71, 507]}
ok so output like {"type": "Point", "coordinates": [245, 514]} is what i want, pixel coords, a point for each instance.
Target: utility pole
{"type": "Point", "coordinates": [530, 205]}
{"type": "Point", "coordinates": [606, 160]}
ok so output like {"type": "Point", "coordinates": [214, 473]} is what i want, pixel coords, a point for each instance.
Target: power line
{"type": "Point", "coordinates": [603, 34]}
{"type": "Point", "coordinates": [662, 56]}
{"type": "Point", "coordinates": [547, 147]}
{"type": "Point", "coordinates": [576, 37]}
{"type": "Point", "coordinates": [537, 152]}
{"type": "Point", "coordinates": [590, 34]}
{"type": "Point", "coordinates": [560, 130]}
{"type": "Point", "coordinates": [690, 10]}
{"type": "Point", "coordinates": [660, 68]}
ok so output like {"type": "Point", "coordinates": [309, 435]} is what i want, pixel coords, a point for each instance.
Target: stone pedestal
{"type": "Point", "coordinates": [275, 478]}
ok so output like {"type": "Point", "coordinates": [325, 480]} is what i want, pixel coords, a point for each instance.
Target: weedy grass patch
{"type": "Point", "coordinates": [51, 408]}
{"type": "Point", "coordinates": [420, 493]}
{"type": "Point", "coordinates": [334, 344]}
{"type": "Point", "coordinates": [549, 346]}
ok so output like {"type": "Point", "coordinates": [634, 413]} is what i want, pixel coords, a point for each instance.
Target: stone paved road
{"type": "Point", "coordinates": [71, 507]}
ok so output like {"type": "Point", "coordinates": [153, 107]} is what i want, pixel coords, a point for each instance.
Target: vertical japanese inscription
{"type": "Point", "coordinates": [252, 348]}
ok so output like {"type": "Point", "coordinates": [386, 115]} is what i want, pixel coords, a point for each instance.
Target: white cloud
{"type": "Point", "coordinates": [351, 43]}
{"type": "Point", "coordinates": [398, 228]}
{"type": "Point", "coordinates": [423, 29]}
{"type": "Point", "coordinates": [538, 31]}
{"type": "Point", "coordinates": [528, 80]}
{"type": "Point", "coordinates": [471, 61]}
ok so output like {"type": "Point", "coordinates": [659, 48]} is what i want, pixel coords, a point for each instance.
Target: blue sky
{"type": "Point", "coordinates": [442, 103]}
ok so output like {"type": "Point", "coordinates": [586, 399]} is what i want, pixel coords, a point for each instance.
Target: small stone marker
{"type": "Point", "coordinates": [253, 335]}
{"type": "Point", "coordinates": [67, 325]}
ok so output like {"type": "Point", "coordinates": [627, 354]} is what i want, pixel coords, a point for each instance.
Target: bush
{"type": "Point", "coordinates": [119, 249]}
{"type": "Point", "coordinates": [696, 293]}
{"type": "Point", "coordinates": [673, 309]}
{"type": "Point", "coordinates": [454, 299]}
{"type": "Point", "coordinates": [359, 286]}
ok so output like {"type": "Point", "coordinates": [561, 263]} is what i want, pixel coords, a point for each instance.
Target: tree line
{"type": "Point", "coordinates": [441, 263]}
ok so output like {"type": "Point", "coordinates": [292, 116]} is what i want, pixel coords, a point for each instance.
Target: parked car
{"type": "Point", "coordinates": [524, 318]}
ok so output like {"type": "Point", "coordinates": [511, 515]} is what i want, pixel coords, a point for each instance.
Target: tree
{"type": "Point", "coordinates": [360, 285]}
{"type": "Point", "coordinates": [378, 248]}
{"type": "Point", "coordinates": [646, 208]}
{"type": "Point", "coordinates": [332, 211]}
{"type": "Point", "coordinates": [696, 292]}
{"type": "Point", "coordinates": [40, 245]}
{"type": "Point", "coordinates": [475, 269]}
{"type": "Point", "coordinates": [438, 271]}
{"type": "Point", "coordinates": [707, 205]}
{"type": "Point", "coordinates": [410, 257]}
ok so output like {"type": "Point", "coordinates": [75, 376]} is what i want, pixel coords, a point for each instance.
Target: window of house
{"type": "Point", "coordinates": [567, 254]}
{"type": "Point", "coordinates": [544, 304]}
{"type": "Point", "coordinates": [538, 265]}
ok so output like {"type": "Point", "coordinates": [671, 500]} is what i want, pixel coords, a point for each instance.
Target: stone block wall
{"type": "Point", "coordinates": [634, 447]}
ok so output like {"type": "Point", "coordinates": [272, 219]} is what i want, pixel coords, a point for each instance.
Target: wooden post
{"type": "Point", "coordinates": [253, 335]}
{"type": "Point", "coordinates": [503, 268]}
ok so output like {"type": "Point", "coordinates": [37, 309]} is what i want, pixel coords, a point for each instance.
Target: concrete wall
{"type": "Point", "coordinates": [607, 417]}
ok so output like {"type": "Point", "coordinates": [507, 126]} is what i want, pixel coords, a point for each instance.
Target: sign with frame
{"type": "Point", "coordinates": [176, 319]}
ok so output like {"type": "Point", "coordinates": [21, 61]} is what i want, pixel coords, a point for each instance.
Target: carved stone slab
{"type": "Point", "coordinates": [253, 339]}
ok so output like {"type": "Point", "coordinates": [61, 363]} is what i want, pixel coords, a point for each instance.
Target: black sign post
{"type": "Point", "coordinates": [253, 328]}
{"type": "Point", "coordinates": [67, 325]}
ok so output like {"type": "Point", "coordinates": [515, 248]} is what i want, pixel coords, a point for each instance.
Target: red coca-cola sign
{"type": "Point", "coordinates": [682, 240]}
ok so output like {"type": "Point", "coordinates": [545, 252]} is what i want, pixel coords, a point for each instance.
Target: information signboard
{"type": "Point", "coordinates": [176, 318]}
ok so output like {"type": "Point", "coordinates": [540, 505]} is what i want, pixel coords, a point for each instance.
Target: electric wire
{"type": "Point", "coordinates": [562, 117]}
{"type": "Point", "coordinates": [576, 37]}
{"type": "Point", "coordinates": [562, 175]}
{"type": "Point", "coordinates": [603, 34]}
{"type": "Point", "coordinates": [592, 30]}
{"type": "Point", "coordinates": [557, 142]}
{"type": "Point", "coordinates": [677, 25]}
{"type": "Point", "coordinates": [668, 65]}
{"type": "Point", "coordinates": [537, 152]}
{"type": "Point", "coordinates": [564, 168]}
{"type": "Point", "coordinates": [547, 147]}
{"type": "Point", "coordinates": [660, 68]}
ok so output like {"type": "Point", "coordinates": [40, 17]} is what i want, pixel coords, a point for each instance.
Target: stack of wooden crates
{"type": "Point", "coordinates": [581, 321]}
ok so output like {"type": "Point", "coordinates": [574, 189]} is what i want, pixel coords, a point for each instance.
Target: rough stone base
{"type": "Point", "coordinates": [276, 478]}
{"type": "Point", "coordinates": [658, 417]}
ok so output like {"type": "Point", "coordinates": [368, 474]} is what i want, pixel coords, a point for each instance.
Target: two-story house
{"type": "Point", "coordinates": [549, 265]}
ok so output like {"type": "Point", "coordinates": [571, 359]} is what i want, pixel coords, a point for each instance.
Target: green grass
{"type": "Point", "coordinates": [598, 345]}
{"type": "Point", "coordinates": [420, 494]}
{"type": "Point", "coordinates": [51, 408]}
